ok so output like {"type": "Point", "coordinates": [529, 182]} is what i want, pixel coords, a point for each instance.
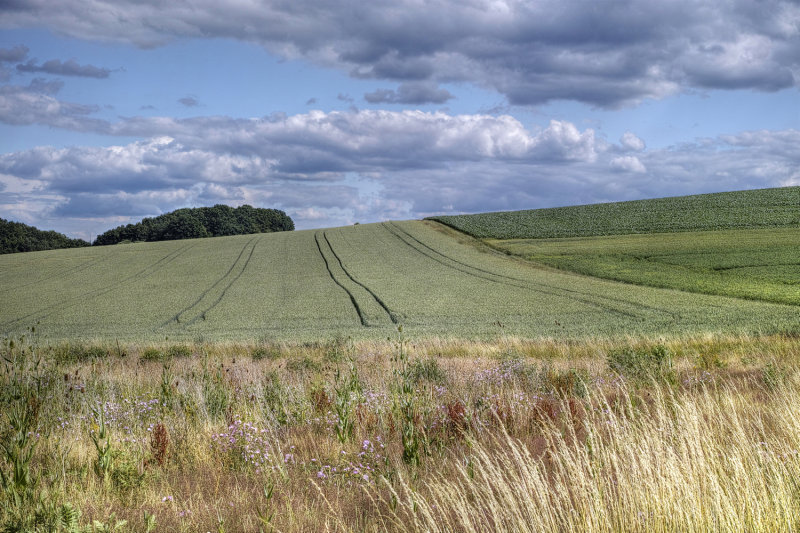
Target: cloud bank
{"type": "Point", "coordinates": [341, 167]}
{"type": "Point", "coordinates": [606, 54]}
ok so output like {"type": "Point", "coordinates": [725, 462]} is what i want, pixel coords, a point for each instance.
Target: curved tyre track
{"type": "Point", "coordinates": [197, 310]}
{"type": "Point", "coordinates": [392, 316]}
{"type": "Point", "coordinates": [605, 303]}
{"type": "Point", "coordinates": [357, 308]}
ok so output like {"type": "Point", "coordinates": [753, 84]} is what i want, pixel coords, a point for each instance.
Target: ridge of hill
{"type": "Point", "coordinates": [758, 208]}
{"type": "Point", "coordinates": [360, 281]}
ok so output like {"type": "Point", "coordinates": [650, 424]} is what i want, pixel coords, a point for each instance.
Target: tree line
{"type": "Point", "coordinates": [187, 223]}
{"type": "Point", "coordinates": [19, 237]}
{"type": "Point", "coordinates": [198, 222]}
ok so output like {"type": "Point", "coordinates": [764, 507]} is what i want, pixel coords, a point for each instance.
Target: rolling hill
{"type": "Point", "coordinates": [360, 280]}
{"type": "Point", "coordinates": [759, 208]}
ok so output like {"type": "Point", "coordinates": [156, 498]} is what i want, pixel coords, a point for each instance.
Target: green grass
{"type": "Point", "coordinates": [779, 207]}
{"type": "Point", "coordinates": [761, 264]}
{"type": "Point", "coordinates": [360, 281]}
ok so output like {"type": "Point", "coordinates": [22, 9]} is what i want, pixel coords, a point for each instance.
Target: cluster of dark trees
{"type": "Point", "coordinates": [192, 223]}
{"type": "Point", "coordinates": [19, 237]}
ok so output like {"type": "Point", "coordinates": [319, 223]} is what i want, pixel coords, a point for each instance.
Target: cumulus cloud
{"type": "Point", "coordinates": [341, 167]}
{"type": "Point", "coordinates": [628, 163]}
{"type": "Point", "coordinates": [629, 141]}
{"type": "Point", "coordinates": [416, 93]}
{"type": "Point", "coordinates": [67, 68]}
{"type": "Point", "coordinates": [37, 104]}
{"type": "Point", "coordinates": [605, 54]}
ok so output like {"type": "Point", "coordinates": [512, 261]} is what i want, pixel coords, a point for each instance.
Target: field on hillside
{"type": "Point", "coordinates": [760, 264]}
{"type": "Point", "coordinates": [405, 376]}
{"type": "Point", "coordinates": [779, 207]}
{"type": "Point", "coordinates": [359, 281]}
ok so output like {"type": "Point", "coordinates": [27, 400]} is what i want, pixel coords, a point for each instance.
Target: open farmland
{"type": "Point", "coordinates": [779, 207]}
{"type": "Point", "coordinates": [759, 264]}
{"type": "Point", "coordinates": [359, 281]}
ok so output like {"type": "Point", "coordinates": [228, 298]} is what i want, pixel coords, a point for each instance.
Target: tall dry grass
{"type": "Point", "coordinates": [514, 435]}
{"type": "Point", "coordinates": [716, 459]}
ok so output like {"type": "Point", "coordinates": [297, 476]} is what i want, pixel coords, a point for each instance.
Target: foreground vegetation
{"type": "Point", "coordinates": [682, 434]}
{"type": "Point", "coordinates": [18, 237]}
{"type": "Point", "coordinates": [359, 281]}
{"type": "Point", "coordinates": [761, 208]}
{"type": "Point", "coordinates": [760, 264]}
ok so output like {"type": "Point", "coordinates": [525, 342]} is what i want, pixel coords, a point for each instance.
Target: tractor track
{"type": "Point", "coordinates": [379, 301]}
{"type": "Point", "coordinates": [176, 319]}
{"type": "Point", "coordinates": [360, 313]}
{"type": "Point", "coordinates": [528, 282]}
{"type": "Point", "coordinates": [487, 275]}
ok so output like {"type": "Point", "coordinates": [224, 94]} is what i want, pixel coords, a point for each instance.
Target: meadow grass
{"type": "Point", "coordinates": [359, 281]}
{"type": "Point", "coordinates": [681, 433]}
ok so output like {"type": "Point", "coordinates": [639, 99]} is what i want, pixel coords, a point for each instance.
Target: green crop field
{"type": "Point", "coordinates": [209, 384]}
{"type": "Point", "coordinates": [744, 244]}
{"type": "Point", "coordinates": [760, 264]}
{"type": "Point", "coordinates": [760, 208]}
{"type": "Point", "coordinates": [360, 280]}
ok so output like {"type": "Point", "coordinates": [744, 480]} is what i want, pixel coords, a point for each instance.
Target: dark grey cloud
{"type": "Point", "coordinates": [105, 205]}
{"type": "Point", "coordinates": [189, 101]}
{"type": "Point", "coordinates": [311, 101]}
{"type": "Point", "coordinates": [13, 55]}
{"type": "Point", "coordinates": [67, 68]}
{"type": "Point", "coordinates": [415, 93]}
{"type": "Point", "coordinates": [48, 87]}
{"type": "Point", "coordinates": [606, 54]}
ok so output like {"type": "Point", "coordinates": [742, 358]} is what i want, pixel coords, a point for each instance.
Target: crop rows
{"type": "Point", "coordinates": [760, 208]}
{"type": "Point", "coordinates": [360, 281]}
{"type": "Point", "coordinates": [761, 264]}
{"type": "Point", "coordinates": [213, 295]}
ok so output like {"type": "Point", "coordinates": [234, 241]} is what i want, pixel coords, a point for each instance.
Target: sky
{"type": "Point", "coordinates": [344, 111]}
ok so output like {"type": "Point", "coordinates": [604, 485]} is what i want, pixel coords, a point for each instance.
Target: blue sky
{"type": "Point", "coordinates": [341, 111]}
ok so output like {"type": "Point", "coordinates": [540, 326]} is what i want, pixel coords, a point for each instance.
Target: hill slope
{"type": "Point", "coordinates": [359, 280]}
{"type": "Point", "coordinates": [758, 264]}
{"type": "Point", "coordinates": [730, 210]}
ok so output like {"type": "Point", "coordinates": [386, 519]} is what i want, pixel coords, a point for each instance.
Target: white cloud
{"type": "Point", "coordinates": [629, 141]}
{"type": "Point", "coordinates": [342, 167]}
{"type": "Point", "coordinates": [628, 163]}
